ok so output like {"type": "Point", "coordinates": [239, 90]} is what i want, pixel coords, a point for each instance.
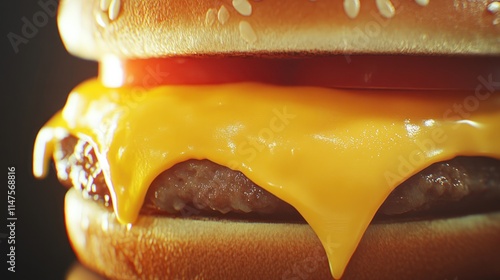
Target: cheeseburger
{"type": "Point", "coordinates": [280, 139]}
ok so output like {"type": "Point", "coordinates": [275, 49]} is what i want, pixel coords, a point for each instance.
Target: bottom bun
{"type": "Point", "coordinates": [79, 272]}
{"type": "Point", "coordinates": [185, 248]}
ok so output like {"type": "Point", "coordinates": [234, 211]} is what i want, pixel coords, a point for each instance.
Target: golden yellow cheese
{"type": "Point", "coordinates": [335, 155]}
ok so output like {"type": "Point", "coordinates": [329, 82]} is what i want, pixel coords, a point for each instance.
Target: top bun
{"type": "Point", "coordinates": [157, 28]}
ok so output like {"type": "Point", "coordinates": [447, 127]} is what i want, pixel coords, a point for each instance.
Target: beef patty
{"type": "Point", "coordinates": [200, 187]}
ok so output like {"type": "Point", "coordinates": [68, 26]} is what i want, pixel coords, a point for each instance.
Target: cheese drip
{"type": "Point", "coordinates": [335, 155]}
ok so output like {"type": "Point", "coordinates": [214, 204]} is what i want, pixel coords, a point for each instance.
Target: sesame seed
{"type": "Point", "coordinates": [223, 14]}
{"type": "Point", "coordinates": [247, 32]}
{"type": "Point", "coordinates": [351, 8]}
{"type": "Point", "coordinates": [494, 7]}
{"type": "Point", "coordinates": [385, 8]}
{"type": "Point", "coordinates": [102, 18]}
{"type": "Point", "coordinates": [104, 5]}
{"type": "Point", "coordinates": [243, 7]}
{"type": "Point", "coordinates": [210, 17]}
{"type": "Point", "coordinates": [114, 9]}
{"type": "Point", "coordinates": [422, 3]}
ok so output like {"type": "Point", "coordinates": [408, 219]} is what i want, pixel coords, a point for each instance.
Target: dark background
{"type": "Point", "coordinates": [35, 83]}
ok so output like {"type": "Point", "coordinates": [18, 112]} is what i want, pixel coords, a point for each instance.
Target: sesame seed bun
{"type": "Point", "coordinates": [185, 248]}
{"type": "Point", "coordinates": [155, 28]}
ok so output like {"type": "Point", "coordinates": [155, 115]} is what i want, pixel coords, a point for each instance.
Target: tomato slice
{"type": "Point", "coordinates": [341, 71]}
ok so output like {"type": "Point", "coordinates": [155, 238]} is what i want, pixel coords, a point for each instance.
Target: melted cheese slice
{"type": "Point", "coordinates": [335, 155]}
